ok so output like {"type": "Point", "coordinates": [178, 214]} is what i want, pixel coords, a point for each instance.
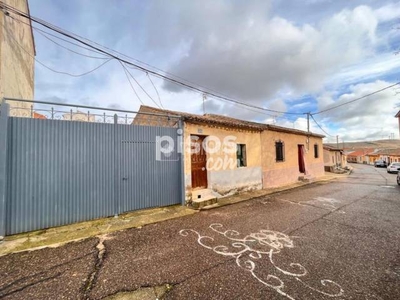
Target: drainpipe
{"type": "Point", "coordinates": [181, 152]}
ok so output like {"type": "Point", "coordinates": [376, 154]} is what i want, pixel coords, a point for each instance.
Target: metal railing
{"type": "Point", "coordinates": [84, 113]}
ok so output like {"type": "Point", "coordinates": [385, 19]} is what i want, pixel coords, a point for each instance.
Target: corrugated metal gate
{"type": "Point", "coordinates": [61, 172]}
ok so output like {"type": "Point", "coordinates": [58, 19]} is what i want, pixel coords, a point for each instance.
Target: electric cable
{"type": "Point", "coordinates": [321, 126]}
{"type": "Point", "coordinates": [357, 99]}
{"type": "Point", "coordinates": [127, 77]}
{"type": "Point", "coordinates": [158, 95]}
{"type": "Point", "coordinates": [148, 95]}
{"type": "Point", "coordinates": [62, 32]}
{"type": "Point", "coordinates": [49, 68]}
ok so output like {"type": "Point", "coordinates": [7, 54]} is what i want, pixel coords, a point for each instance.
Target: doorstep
{"type": "Point", "coordinates": [203, 198]}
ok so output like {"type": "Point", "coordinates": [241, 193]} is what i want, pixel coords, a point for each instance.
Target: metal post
{"type": "Point", "coordinates": [116, 169]}
{"type": "Point", "coordinates": [181, 152]}
{"type": "Point", "coordinates": [4, 113]}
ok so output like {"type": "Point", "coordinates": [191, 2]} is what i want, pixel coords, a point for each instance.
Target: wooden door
{"type": "Point", "coordinates": [199, 161]}
{"type": "Point", "coordinates": [302, 167]}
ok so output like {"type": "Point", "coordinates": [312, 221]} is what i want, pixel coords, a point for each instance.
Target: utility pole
{"type": "Point", "coordinates": [308, 130]}
{"type": "Point", "coordinates": [337, 142]}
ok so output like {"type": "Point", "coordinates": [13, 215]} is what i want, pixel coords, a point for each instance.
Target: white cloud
{"type": "Point", "coordinates": [388, 12]}
{"type": "Point", "coordinates": [369, 118]}
{"type": "Point", "coordinates": [255, 56]}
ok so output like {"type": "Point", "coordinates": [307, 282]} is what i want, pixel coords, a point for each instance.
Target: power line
{"type": "Point", "coordinates": [47, 67]}
{"type": "Point", "coordinates": [321, 126]}
{"type": "Point", "coordinates": [148, 95]}
{"type": "Point", "coordinates": [158, 95]}
{"type": "Point", "coordinates": [73, 51]}
{"type": "Point", "coordinates": [250, 109]}
{"type": "Point", "coordinates": [357, 99]}
{"type": "Point", "coordinates": [44, 32]}
{"type": "Point", "coordinates": [127, 77]}
{"type": "Point", "coordinates": [192, 87]}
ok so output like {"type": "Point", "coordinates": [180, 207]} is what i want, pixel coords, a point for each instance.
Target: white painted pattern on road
{"type": "Point", "coordinates": [330, 202]}
{"type": "Point", "coordinates": [247, 257]}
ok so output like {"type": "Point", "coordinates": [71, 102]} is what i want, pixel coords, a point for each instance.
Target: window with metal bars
{"type": "Point", "coordinates": [316, 154]}
{"type": "Point", "coordinates": [241, 155]}
{"type": "Point", "coordinates": [280, 151]}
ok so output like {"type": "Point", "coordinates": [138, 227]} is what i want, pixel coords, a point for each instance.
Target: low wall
{"type": "Point", "coordinates": [227, 182]}
{"type": "Point", "coordinates": [284, 176]}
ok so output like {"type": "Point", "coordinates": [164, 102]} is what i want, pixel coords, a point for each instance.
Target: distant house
{"type": "Point", "coordinates": [372, 157]}
{"type": "Point", "coordinates": [244, 155]}
{"type": "Point", "coordinates": [359, 155]}
{"type": "Point", "coordinates": [334, 158]}
{"type": "Point", "coordinates": [369, 156]}
{"type": "Point", "coordinates": [37, 115]}
{"type": "Point", "coordinates": [389, 155]}
{"type": "Point", "coordinates": [17, 64]}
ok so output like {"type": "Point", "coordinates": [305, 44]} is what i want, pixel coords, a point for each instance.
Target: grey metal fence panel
{"type": "Point", "coordinates": [145, 180]}
{"type": "Point", "coordinates": [62, 172]}
{"type": "Point", "coordinates": [59, 173]}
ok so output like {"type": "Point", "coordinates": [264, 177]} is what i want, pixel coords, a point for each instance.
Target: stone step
{"type": "Point", "coordinates": [305, 178]}
{"type": "Point", "coordinates": [204, 202]}
{"type": "Point", "coordinates": [202, 194]}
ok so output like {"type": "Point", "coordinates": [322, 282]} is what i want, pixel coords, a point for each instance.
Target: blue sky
{"type": "Point", "coordinates": [291, 56]}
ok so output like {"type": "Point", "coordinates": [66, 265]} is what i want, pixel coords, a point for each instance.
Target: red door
{"type": "Point", "coordinates": [302, 165]}
{"type": "Point", "coordinates": [199, 161]}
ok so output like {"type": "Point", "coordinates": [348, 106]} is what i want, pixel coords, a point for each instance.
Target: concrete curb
{"type": "Point", "coordinates": [58, 236]}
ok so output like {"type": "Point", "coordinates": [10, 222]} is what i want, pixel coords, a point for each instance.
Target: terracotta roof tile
{"type": "Point", "coordinates": [361, 152]}
{"type": "Point", "coordinates": [226, 121]}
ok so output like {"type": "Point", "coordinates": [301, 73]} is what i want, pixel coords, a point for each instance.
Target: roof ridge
{"type": "Point", "coordinates": [229, 121]}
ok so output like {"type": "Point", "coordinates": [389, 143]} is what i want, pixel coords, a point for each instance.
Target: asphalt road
{"type": "Point", "coordinates": [335, 240]}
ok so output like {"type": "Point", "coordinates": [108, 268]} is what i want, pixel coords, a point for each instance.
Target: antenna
{"type": "Point", "coordinates": [204, 103]}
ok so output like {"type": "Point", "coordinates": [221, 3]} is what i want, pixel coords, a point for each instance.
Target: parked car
{"type": "Point", "coordinates": [398, 178]}
{"type": "Point", "coordinates": [393, 167]}
{"type": "Point", "coordinates": [380, 163]}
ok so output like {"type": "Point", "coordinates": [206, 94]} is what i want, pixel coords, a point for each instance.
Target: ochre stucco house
{"type": "Point", "coordinates": [302, 155]}
{"type": "Point", "coordinates": [244, 155]}
{"type": "Point", "coordinates": [372, 157]}
{"type": "Point", "coordinates": [333, 158]}
{"type": "Point", "coordinates": [17, 64]}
